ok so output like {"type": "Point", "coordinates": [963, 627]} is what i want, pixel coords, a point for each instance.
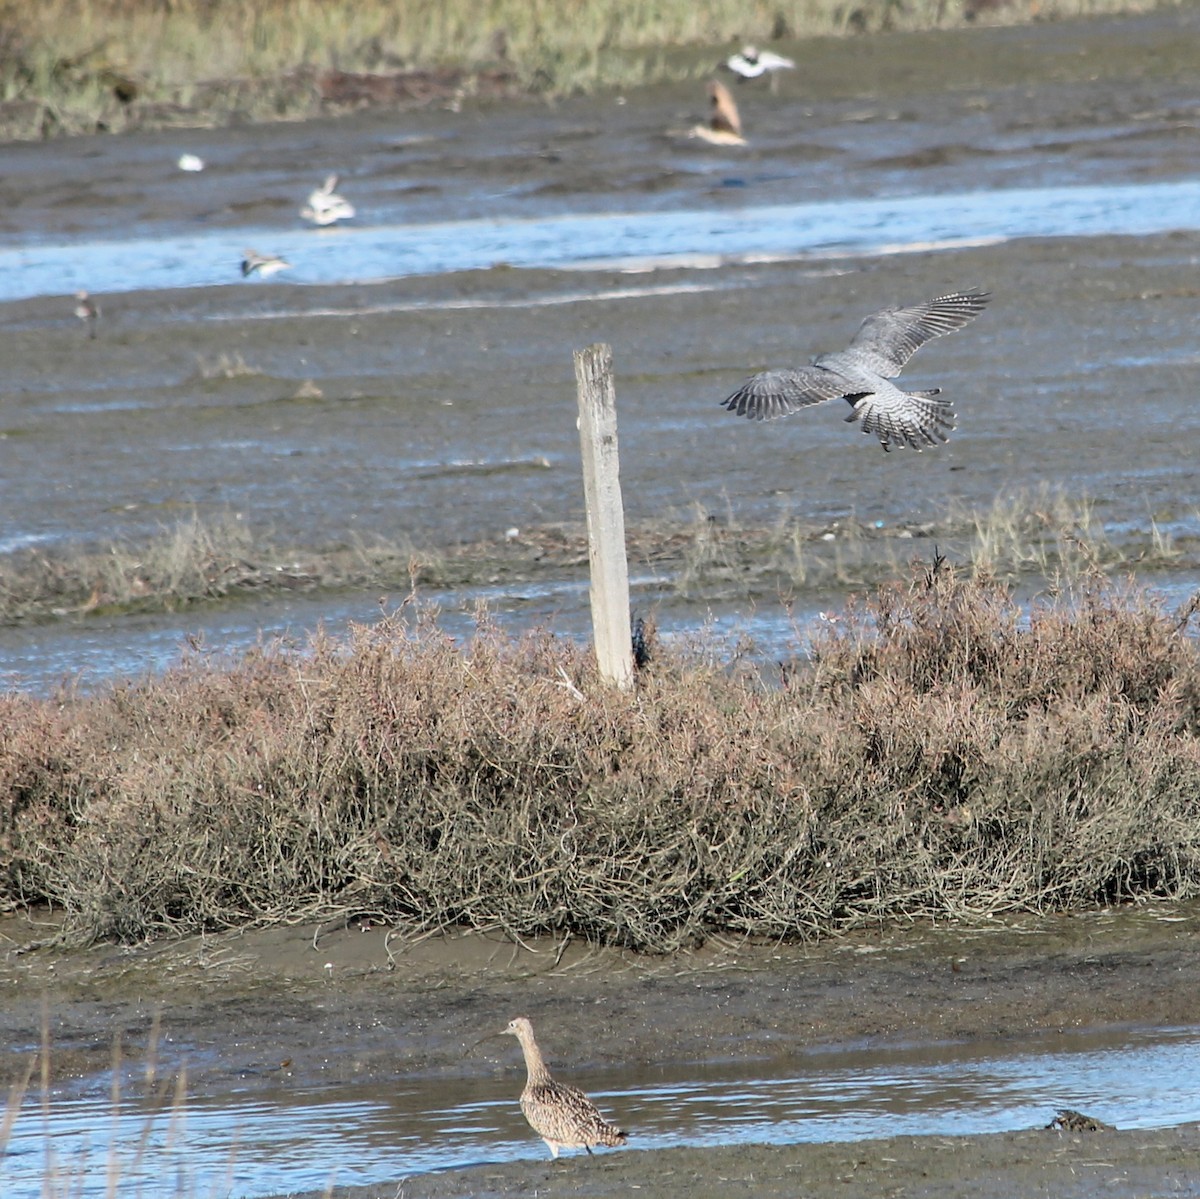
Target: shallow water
{"type": "Point", "coordinates": [364, 253]}
{"type": "Point", "coordinates": [274, 1143]}
{"type": "Point", "coordinates": [86, 655]}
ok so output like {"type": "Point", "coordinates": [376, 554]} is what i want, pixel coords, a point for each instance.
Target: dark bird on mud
{"type": "Point", "coordinates": [88, 312]}
{"type": "Point", "coordinates": [861, 374]}
{"type": "Point", "coordinates": [563, 1116]}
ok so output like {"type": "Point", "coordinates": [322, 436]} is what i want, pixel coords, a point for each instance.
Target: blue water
{"type": "Point", "coordinates": [364, 253]}
{"type": "Point", "coordinates": [369, 1134]}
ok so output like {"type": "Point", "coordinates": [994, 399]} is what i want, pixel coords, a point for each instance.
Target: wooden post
{"type": "Point", "coordinates": [605, 515]}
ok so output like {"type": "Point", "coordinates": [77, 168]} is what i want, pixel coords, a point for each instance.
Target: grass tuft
{"type": "Point", "coordinates": [1045, 535]}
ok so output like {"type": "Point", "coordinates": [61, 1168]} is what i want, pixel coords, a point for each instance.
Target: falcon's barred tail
{"type": "Point", "coordinates": [926, 421]}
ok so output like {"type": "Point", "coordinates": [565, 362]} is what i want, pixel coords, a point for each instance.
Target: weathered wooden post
{"type": "Point", "coordinates": [605, 515]}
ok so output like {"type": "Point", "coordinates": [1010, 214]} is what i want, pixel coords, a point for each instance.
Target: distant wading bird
{"type": "Point", "coordinates": [325, 206]}
{"type": "Point", "coordinates": [88, 312]}
{"type": "Point", "coordinates": [263, 264]}
{"type": "Point", "coordinates": [861, 374]}
{"type": "Point", "coordinates": [724, 126]}
{"type": "Point", "coordinates": [563, 1116]}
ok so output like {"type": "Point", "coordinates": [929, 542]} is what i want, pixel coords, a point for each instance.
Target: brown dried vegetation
{"type": "Point", "coordinates": [941, 752]}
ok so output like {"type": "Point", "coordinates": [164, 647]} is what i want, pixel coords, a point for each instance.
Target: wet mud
{"type": "Point", "coordinates": [319, 1005]}
{"type": "Point", "coordinates": [441, 410]}
{"type": "Point", "coordinates": [1001, 1166]}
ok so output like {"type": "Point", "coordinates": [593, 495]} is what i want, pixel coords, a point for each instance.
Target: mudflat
{"type": "Point", "coordinates": [306, 1005]}
{"type": "Point", "coordinates": [1065, 350]}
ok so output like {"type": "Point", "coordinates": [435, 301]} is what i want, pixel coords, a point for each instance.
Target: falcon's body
{"type": "Point", "coordinates": [861, 374]}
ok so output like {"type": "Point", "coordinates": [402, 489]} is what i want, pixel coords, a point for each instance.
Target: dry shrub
{"type": "Point", "coordinates": [943, 752]}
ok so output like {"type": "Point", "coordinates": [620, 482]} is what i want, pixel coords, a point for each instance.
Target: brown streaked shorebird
{"type": "Point", "coordinates": [563, 1116]}
{"type": "Point", "coordinates": [88, 311]}
{"type": "Point", "coordinates": [1069, 1120]}
{"type": "Point", "coordinates": [861, 374]}
{"type": "Point", "coordinates": [724, 126]}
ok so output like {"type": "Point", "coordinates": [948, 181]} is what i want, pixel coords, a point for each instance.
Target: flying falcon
{"type": "Point", "coordinates": [861, 374]}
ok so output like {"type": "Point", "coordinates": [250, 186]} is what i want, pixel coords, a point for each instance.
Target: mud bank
{"type": "Point", "coordinates": [308, 1006]}
{"type": "Point", "coordinates": [356, 1002]}
{"type": "Point", "coordinates": [1007, 1166]}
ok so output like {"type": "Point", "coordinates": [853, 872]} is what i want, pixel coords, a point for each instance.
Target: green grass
{"type": "Point", "coordinates": [73, 65]}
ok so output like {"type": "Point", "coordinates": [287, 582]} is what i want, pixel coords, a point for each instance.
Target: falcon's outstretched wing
{"type": "Point", "coordinates": [888, 339]}
{"type": "Point", "coordinates": [778, 393]}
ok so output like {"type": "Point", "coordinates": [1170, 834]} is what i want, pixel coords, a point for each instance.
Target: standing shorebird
{"type": "Point", "coordinates": [88, 311]}
{"type": "Point", "coordinates": [263, 264]}
{"type": "Point", "coordinates": [325, 206]}
{"type": "Point", "coordinates": [724, 126]}
{"type": "Point", "coordinates": [861, 374]}
{"type": "Point", "coordinates": [564, 1117]}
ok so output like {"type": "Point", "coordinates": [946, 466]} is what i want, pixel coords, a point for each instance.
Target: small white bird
{"type": "Point", "coordinates": [753, 63]}
{"type": "Point", "coordinates": [862, 375]}
{"type": "Point", "coordinates": [325, 206]}
{"type": "Point", "coordinates": [191, 162]}
{"type": "Point", "coordinates": [88, 311]}
{"type": "Point", "coordinates": [262, 264]}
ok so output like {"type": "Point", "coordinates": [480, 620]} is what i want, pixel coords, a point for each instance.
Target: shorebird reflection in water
{"type": "Point", "coordinates": [88, 312]}
{"type": "Point", "coordinates": [325, 206]}
{"type": "Point", "coordinates": [861, 374]}
{"type": "Point", "coordinates": [563, 1116]}
{"type": "Point", "coordinates": [263, 264]}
